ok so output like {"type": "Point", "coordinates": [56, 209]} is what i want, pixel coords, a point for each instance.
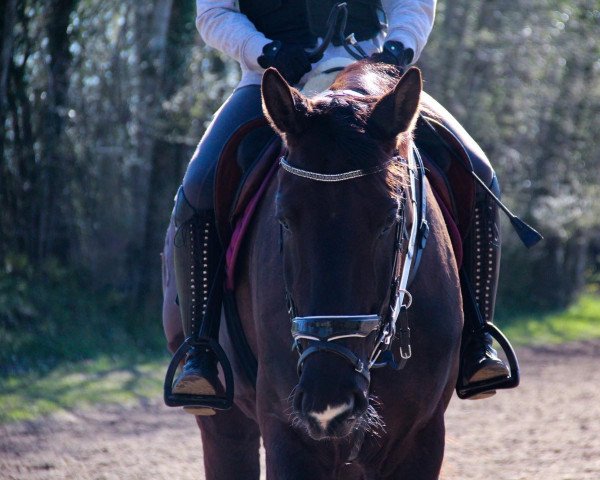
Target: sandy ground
{"type": "Point", "coordinates": [549, 428]}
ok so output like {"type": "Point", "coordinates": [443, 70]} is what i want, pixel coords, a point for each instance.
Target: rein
{"type": "Point", "coordinates": [324, 330]}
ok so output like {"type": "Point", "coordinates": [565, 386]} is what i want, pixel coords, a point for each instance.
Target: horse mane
{"type": "Point", "coordinates": [368, 77]}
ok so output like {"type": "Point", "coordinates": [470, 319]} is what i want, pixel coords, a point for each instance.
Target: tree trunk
{"type": "Point", "coordinates": [152, 29]}
{"type": "Point", "coordinates": [167, 162]}
{"type": "Point", "coordinates": [57, 165]}
{"type": "Point", "coordinates": [7, 35]}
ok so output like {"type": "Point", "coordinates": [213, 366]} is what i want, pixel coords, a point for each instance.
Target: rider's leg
{"type": "Point", "coordinates": [196, 248]}
{"type": "Point", "coordinates": [481, 262]}
{"type": "Point", "coordinates": [196, 254]}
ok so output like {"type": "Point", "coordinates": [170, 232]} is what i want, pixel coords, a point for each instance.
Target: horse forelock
{"type": "Point", "coordinates": [337, 128]}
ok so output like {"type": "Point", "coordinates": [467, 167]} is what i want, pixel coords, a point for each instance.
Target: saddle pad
{"type": "Point", "coordinates": [457, 244]}
{"type": "Point", "coordinates": [323, 75]}
{"type": "Point", "coordinates": [454, 182]}
{"type": "Point", "coordinates": [443, 195]}
{"type": "Point", "coordinates": [241, 227]}
{"type": "Point", "coordinates": [230, 181]}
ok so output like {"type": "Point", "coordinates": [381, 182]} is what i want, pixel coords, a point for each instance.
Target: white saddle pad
{"type": "Point", "coordinates": [320, 78]}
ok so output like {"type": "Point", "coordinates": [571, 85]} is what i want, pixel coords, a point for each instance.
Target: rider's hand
{"type": "Point", "coordinates": [394, 53]}
{"type": "Point", "coordinates": [291, 60]}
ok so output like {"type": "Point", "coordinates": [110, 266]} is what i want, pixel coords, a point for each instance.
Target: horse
{"type": "Point", "coordinates": [319, 275]}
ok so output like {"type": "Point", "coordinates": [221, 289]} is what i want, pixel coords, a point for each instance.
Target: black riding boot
{"type": "Point", "coordinates": [196, 256]}
{"type": "Point", "coordinates": [480, 363]}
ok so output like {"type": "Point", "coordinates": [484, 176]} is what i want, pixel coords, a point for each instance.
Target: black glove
{"type": "Point", "coordinates": [291, 60]}
{"type": "Point", "coordinates": [394, 53]}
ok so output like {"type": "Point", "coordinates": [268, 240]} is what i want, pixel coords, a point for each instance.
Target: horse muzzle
{"type": "Point", "coordinates": [330, 398]}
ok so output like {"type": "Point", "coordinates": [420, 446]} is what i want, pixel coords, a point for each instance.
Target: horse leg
{"type": "Point", "coordinates": [230, 441]}
{"type": "Point", "coordinates": [288, 457]}
{"type": "Point", "coordinates": [424, 460]}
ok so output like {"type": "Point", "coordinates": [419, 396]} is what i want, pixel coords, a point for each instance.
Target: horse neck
{"type": "Point", "coordinates": [366, 78]}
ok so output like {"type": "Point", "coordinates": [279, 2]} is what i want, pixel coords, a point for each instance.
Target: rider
{"type": "Point", "coordinates": [276, 33]}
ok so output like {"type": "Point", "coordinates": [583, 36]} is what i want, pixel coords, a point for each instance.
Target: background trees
{"type": "Point", "coordinates": [523, 77]}
{"type": "Point", "coordinates": [102, 103]}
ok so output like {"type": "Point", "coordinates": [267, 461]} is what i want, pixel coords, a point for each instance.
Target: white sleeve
{"type": "Point", "coordinates": [410, 22]}
{"type": "Point", "coordinates": [222, 26]}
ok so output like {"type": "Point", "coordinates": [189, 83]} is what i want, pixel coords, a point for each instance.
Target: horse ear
{"type": "Point", "coordinates": [284, 106]}
{"type": "Point", "coordinates": [394, 113]}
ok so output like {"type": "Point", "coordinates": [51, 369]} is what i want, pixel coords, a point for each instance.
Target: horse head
{"type": "Point", "coordinates": [341, 203]}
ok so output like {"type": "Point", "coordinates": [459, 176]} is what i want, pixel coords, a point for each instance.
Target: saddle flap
{"type": "Point", "coordinates": [238, 189]}
{"type": "Point", "coordinates": [442, 193]}
{"type": "Point", "coordinates": [233, 184]}
{"type": "Point", "coordinates": [255, 176]}
{"type": "Point", "coordinates": [448, 166]}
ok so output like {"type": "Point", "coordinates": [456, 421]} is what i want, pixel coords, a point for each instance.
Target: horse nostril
{"type": "Point", "coordinates": [360, 401]}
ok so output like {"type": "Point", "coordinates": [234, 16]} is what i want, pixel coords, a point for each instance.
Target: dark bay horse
{"type": "Point", "coordinates": [322, 253]}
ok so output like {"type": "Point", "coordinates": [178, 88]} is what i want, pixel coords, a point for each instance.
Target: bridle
{"type": "Point", "coordinates": [322, 331]}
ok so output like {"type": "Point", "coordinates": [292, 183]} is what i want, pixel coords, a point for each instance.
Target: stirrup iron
{"type": "Point", "coordinates": [465, 391]}
{"type": "Point", "coordinates": [217, 402]}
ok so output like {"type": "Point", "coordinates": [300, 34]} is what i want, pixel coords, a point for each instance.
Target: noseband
{"type": "Point", "coordinates": [324, 330]}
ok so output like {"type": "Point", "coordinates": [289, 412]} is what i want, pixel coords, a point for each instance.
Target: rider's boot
{"type": "Point", "coordinates": [196, 255]}
{"type": "Point", "coordinates": [480, 362]}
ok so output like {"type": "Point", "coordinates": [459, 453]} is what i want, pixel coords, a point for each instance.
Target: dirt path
{"type": "Point", "coordinates": [547, 429]}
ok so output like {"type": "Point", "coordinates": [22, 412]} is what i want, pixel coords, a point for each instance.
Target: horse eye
{"type": "Point", "coordinates": [390, 221]}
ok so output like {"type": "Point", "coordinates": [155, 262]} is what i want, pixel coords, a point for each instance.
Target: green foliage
{"type": "Point", "coordinates": [56, 316]}
{"type": "Point", "coordinates": [65, 344]}
{"type": "Point", "coordinates": [581, 321]}
{"type": "Point", "coordinates": [101, 381]}
{"type": "Point", "coordinates": [522, 77]}
{"type": "Point", "coordinates": [100, 118]}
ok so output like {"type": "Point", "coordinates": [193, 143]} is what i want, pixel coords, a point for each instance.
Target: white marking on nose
{"type": "Point", "coordinates": [329, 414]}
